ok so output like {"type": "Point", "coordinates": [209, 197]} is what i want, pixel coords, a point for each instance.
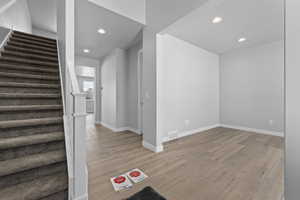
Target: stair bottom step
{"type": "Point", "coordinates": [29, 175]}
{"type": "Point", "coordinates": [36, 189]}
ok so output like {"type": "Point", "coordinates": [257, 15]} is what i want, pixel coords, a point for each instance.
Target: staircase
{"type": "Point", "coordinates": [32, 148]}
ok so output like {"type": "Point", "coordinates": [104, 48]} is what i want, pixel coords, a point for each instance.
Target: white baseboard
{"type": "Point", "coordinates": [260, 131]}
{"type": "Point", "coordinates": [153, 148]}
{"type": "Point", "coordinates": [134, 130]}
{"type": "Point", "coordinates": [114, 129]}
{"type": "Point", "coordinates": [191, 132]}
{"type": "Point", "coordinates": [83, 197]}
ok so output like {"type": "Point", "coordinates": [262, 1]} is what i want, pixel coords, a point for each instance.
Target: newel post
{"type": "Point", "coordinates": [80, 163]}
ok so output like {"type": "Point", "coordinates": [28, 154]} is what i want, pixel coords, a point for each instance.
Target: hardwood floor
{"type": "Point", "coordinates": [219, 164]}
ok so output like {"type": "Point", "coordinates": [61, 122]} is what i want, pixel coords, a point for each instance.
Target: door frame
{"type": "Point", "coordinates": [140, 90]}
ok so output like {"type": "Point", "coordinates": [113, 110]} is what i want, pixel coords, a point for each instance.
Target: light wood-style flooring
{"type": "Point", "coordinates": [219, 164]}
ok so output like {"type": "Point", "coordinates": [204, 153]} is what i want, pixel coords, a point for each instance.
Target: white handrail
{"type": "Point", "coordinates": [7, 6]}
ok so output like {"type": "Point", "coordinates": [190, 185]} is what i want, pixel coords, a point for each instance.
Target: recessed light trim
{"type": "Point", "coordinates": [217, 20]}
{"type": "Point", "coordinates": [101, 31]}
{"type": "Point", "coordinates": [242, 39]}
{"type": "Point", "coordinates": [86, 50]}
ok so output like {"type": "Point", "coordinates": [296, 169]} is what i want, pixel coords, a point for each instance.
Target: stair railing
{"type": "Point", "coordinates": [74, 103]}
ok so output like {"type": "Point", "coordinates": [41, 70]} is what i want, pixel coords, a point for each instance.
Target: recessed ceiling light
{"type": "Point", "coordinates": [217, 20]}
{"type": "Point", "coordinates": [86, 50]}
{"type": "Point", "coordinates": [242, 39]}
{"type": "Point", "coordinates": [101, 31]}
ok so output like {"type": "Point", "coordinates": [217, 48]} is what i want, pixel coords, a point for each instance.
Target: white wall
{"type": "Point", "coordinates": [252, 87]}
{"type": "Point", "coordinates": [188, 87]}
{"type": "Point", "coordinates": [119, 76]}
{"type": "Point", "coordinates": [109, 92]}
{"type": "Point", "coordinates": [122, 92]}
{"type": "Point", "coordinates": [133, 9]}
{"type": "Point", "coordinates": [17, 16]}
{"type": "Point", "coordinates": [132, 85]}
{"type": "Point", "coordinates": [292, 125]}
{"type": "Point", "coordinates": [43, 33]}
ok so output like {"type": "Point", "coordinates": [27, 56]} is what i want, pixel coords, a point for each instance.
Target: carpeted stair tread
{"type": "Point", "coordinates": [36, 189]}
{"type": "Point", "coordinates": [28, 61]}
{"type": "Point", "coordinates": [30, 51]}
{"type": "Point", "coordinates": [29, 56]}
{"type": "Point", "coordinates": [28, 85]}
{"type": "Point", "coordinates": [32, 36]}
{"type": "Point", "coordinates": [57, 196]}
{"type": "Point", "coordinates": [30, 122]}
{"type": "Point", "coordinates": [34, 42]}
{"type": "Point", "coordinates": [15, 142]}
{"type": "Point", "coordinates": [35, 38]}
{"type": "Point", "coordinates": [29, 95]}
{"type": "Point", "coordinates": [30, 162]}
{"type": "Point", "coordinates": [27, 68]}
{"type": "Point", "coordinates": [29, 108]}
{"type": "Point", "coordinates": [31, 46]}
{"type": "Point", "coordinates": [28, 76]}
{"type": "Point", "coordinates": [33, 163]}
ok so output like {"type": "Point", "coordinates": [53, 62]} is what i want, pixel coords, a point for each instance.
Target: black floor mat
{"type": "Point", "coordinates": [147, 194]}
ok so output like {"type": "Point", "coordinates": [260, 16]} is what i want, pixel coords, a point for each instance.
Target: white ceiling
{"type": "Point", "coordinates": [162, 13]}
{"type": "Point", "coordinates": [260, 21]}
{"type": "Point", "coordinates": [121, 31]}
{"type": "Point", "coordinates": [43, 14]}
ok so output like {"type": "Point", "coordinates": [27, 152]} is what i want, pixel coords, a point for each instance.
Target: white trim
{"type": "Point", "coordinates": [156, 149]}
{"type": "Point", "coordinates": [190, 132]}
{"type": "Point", "coordinates": [108, 126]}
{"type": "Point", "coordinates": [83, 197]}
{"type": "Point", "coordinates": [134, 130]}
{"type": "Point", "coordinates": [114, 129]}
{"type": "Point", "coordinates": [260, 131]}
{"type": "Point", "coordinates": [140, 91]}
